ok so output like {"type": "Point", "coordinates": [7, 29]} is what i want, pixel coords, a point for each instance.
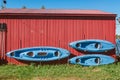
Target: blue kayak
{"type": "Point", "coordinates": [92, 45]}
{"type": "Point", "coordinates": [39, 54]}
{"type": "Point", "coordinates": [92, 60]}
{"type": "Point", "coordinates": [117, 47]}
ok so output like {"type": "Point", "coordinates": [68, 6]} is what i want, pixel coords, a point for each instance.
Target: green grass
{"type": "Point", "coordinates": [60, 72]}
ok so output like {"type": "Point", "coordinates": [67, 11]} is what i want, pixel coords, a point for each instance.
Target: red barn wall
{"type": "Point", "coordinates": [29, 31]}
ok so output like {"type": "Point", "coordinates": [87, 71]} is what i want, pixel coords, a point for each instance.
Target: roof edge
{"type": "Point", "coordinates": [53, 14]}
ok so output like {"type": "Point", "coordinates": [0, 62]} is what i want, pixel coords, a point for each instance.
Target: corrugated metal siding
{"type": "Point", "coordinates": [55, 31]}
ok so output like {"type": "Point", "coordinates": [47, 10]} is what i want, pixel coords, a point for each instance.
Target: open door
{"type": "Point", "coordinates": [3, 30]}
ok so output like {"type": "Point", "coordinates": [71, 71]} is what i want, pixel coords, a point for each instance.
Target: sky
{"type": "Point", "coordinates": [112, 6]}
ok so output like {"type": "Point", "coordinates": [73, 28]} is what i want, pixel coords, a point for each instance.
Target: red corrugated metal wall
{"type": "Point", "coordinates": [28, 31]}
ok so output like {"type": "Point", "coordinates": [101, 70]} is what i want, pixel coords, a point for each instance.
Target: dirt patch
{"type": "Point", "coordinates": [96, 70]}
{"type": "Point", "coordinates": [63, 78]}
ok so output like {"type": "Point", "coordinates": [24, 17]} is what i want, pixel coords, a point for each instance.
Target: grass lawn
{"type": "Point", "coordinates": [60, 72]}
